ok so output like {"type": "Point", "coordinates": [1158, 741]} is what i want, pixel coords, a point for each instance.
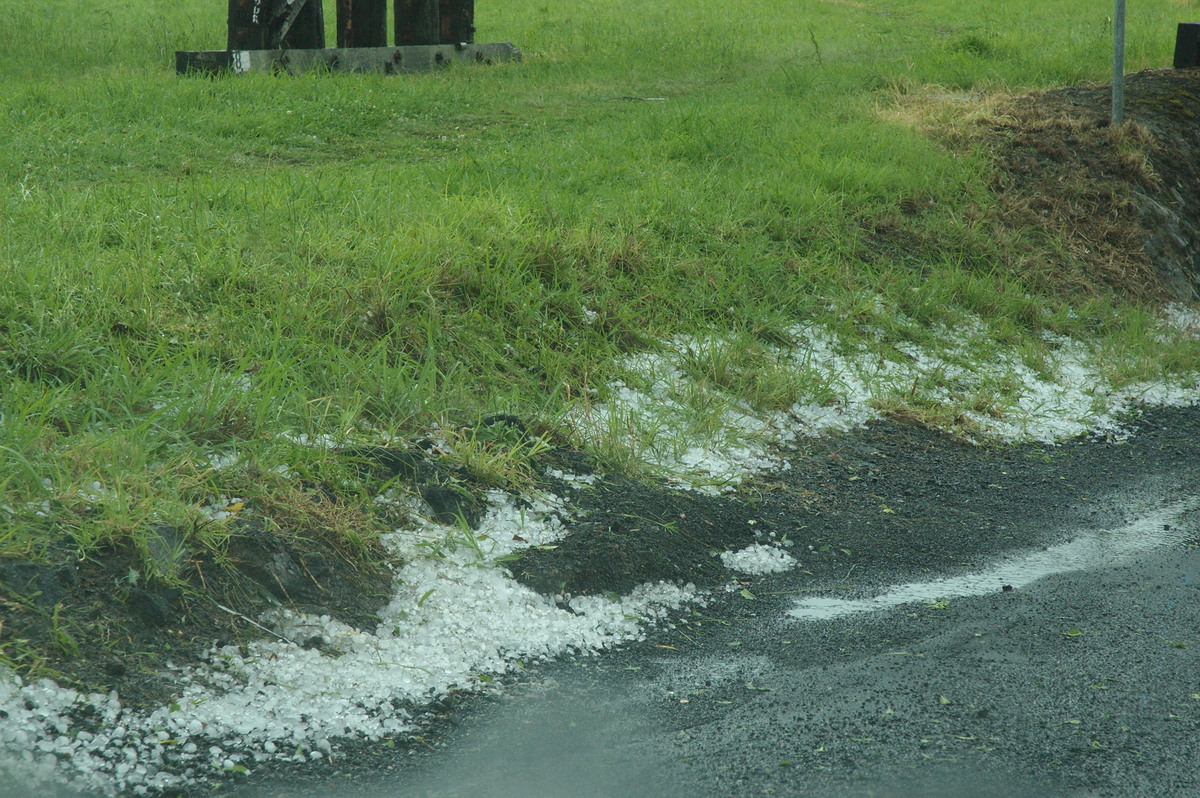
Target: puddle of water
{"type": "Point", "coordinates": [1091, 549]}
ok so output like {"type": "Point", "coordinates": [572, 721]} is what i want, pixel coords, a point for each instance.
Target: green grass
{"type": "Point", "coordinates": [196, 268]}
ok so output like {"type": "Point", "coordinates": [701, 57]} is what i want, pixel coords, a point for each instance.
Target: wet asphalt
{"type": "Point", "coordinates": [1085, 683]}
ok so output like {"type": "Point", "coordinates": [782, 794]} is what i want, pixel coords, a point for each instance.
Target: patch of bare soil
{"type": "Point", "coordinates": [1125, 200]}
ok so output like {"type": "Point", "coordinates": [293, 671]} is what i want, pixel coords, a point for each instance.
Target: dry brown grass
{"type": "Point", "coordinates": [941, 113]}
{"type": "Point", "coordinates": [1063, 184]}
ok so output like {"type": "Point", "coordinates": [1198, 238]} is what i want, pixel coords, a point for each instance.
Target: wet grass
{"type": "Point", "coordinates": [203, 277]}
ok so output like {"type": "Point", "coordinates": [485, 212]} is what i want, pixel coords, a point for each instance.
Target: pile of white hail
{"type": "Point", "coordinates": [1066, 396]}
{"type": "Point", "coordinates": [454, 621]}
{"type": "Point", "coordinates": [758, 559]}
{"type": "Point", "coordinates": [457, 618]}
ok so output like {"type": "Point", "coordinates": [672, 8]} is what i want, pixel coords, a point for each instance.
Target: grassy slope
{"type": "Point", "coordinates": [192, 267]}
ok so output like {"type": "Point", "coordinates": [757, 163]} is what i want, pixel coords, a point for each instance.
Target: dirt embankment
{"type": "Point", "coordinates": [1125, 200]}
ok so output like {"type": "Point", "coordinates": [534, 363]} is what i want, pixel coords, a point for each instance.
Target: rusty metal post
{"type": "Point", "coordinates": [362, 23]}
{"type": "Point", "coordinates": [457, 21]}
{"type": "Point", "coordinates": [418, 22]}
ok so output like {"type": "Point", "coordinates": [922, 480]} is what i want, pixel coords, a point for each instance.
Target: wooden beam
{"type": "Point", "coordinates": [248, 28]}
{"type": "Point", "coordinates": [267, 24]}
{"type": "Point", "coordinates": [457, 21]}
{"type": "Point", "coordinates": [418, 22]}
{"type": "Point", "coordinates": [308, 28]}
{"type": "Point", "coordinates": [1187, 45]}
{"type": "Point", "coordinates": [362, 23]}
{"type": "Point", "coordinates": [390, 60]}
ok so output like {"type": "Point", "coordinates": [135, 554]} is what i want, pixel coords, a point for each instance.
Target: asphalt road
{"type": "Point", "coordinates": [1077, 684]}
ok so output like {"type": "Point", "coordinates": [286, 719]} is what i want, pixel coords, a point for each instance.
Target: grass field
{"type": "Point", "coordinates": [200, 275]}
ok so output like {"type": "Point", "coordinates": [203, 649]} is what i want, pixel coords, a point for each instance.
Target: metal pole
{"type": "Point", "coordinates": [1118, 83]}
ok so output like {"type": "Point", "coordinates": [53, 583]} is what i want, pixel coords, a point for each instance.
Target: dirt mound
{"type": "Point", "coordinates": [1126, 199]}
